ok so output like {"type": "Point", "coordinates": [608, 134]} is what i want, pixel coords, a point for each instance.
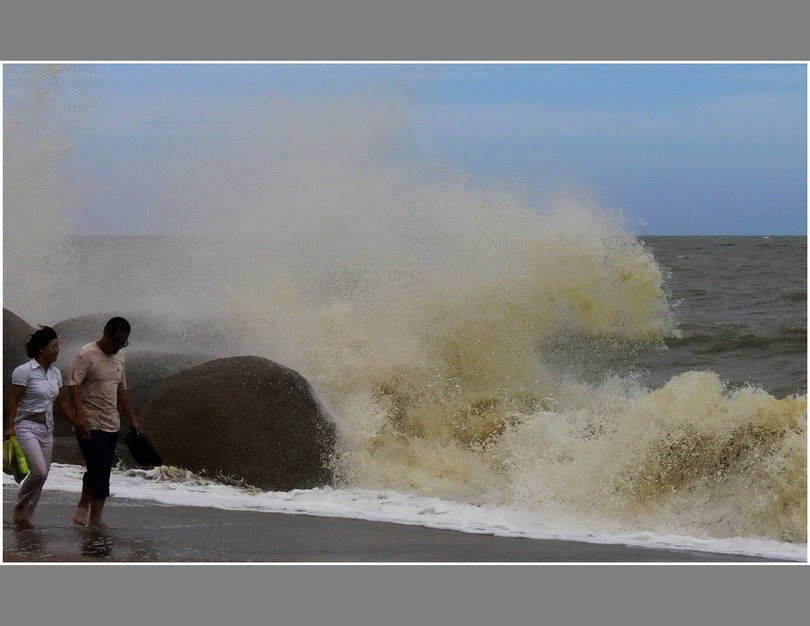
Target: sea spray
{"type": "Point", "coordinates": [693, 456]}
{"type": "Point", "coordinates": [434, 370]}
{"type": "Point", "coordinates": [45, 108]}
{"type": "Point", "coordinates": [34, 195]}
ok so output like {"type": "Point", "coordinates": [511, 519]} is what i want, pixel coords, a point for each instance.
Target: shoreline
{"type": "Point", "coordinates": [149, 532]}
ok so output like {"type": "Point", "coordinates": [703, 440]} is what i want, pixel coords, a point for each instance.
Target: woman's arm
{"type": "Point", "coordinates": [17, 392]}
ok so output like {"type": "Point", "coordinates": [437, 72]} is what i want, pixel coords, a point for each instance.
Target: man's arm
{"type": "Point", "coordinates": [79, 418]}
{"type": "Point", "coordinates": [66, 407]}
{"type": "Point", "coordinates": [125, 401]}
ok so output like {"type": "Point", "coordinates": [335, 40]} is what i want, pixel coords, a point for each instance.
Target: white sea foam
{"type": "Point", "coordinates": [170, 486]}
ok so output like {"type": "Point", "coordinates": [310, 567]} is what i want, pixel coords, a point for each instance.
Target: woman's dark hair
{"type": "Point", "coordinates": [39, 340]}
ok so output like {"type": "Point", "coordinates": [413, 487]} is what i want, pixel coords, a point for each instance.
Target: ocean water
{"type": "Point", "coordinates": [740, 304]}
{"type": "Point", "coordinates": [517, 374]}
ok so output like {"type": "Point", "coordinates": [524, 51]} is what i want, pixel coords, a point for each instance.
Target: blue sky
{"type": "Point", "coordinates": [677, 148]}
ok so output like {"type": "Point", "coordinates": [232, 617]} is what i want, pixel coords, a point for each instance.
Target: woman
{"type": "Point", "coordinates": [35, 386]}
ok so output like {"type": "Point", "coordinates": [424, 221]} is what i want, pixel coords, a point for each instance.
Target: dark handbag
{"type": "Point", "coordinates": [142, 450]}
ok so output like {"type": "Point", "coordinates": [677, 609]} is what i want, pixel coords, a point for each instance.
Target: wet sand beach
{"type": "Point", "coordinates": [148, 532]}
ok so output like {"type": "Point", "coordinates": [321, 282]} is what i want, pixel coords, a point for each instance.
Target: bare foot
{"type": "Point", "coordinates": [21, 522]}
{"type": "Point", "coordinates": [80, 516]}
{"type": "Point", "coordinates": [97, 524]}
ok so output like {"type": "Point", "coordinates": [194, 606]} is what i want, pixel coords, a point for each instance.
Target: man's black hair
{"type": "Point", "coordinates": [39, 340]}
{"type": "Point", "coordinates": [116, 324]}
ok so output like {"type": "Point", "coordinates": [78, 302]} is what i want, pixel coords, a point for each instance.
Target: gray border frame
{"type": "Point", "coordinates": [621, 30]}
{"type": "Point", "coordinates": [577, 30]}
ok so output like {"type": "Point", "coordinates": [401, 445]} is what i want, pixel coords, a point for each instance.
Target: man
{"type": "Point", "coordinates": [97, 387]}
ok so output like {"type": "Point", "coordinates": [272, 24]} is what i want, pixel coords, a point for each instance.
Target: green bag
{"type": "Point", "coordinates": [14, 461]}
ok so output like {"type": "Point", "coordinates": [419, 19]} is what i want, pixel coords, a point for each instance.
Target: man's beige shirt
{"type": "Point", "coordinates": [99, 376]}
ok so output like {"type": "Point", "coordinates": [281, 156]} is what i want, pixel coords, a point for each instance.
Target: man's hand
{"type": "Point", "coordinates": [135, 426]}
{"type": "Point", "coordinates": [79, 420]}
{"type": "Point", "coordinates": [80, 425]}
{"type": "Point", "coordinates": [9, 432]}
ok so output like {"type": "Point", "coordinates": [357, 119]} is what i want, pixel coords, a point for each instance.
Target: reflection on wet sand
{"type": "Point", "coordinates": [97, 543]}
{"type": "Point", "coordinates": [53, 544]}
{"type": "Point", "coordinates": [29, 542]}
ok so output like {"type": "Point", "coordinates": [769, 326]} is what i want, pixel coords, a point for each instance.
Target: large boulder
{"type": "Point", "coordinates": [66, 451]}
{"type": "Point", "coordinates": [146, 372]}
{"type": "Point", "coordinates": [157, 351]}
{"type": "Point", "coordinates": [150, 332]}
{"type": "Point", "coordinates": [16, 332]}
{"type": "Point", "coordinates": [243, 417]}
{"type": "Point", "coordinates": [147, 369]}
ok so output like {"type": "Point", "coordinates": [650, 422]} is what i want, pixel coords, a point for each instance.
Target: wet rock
{"type": "Point", "coordinates": [150, 332]}
{"type": "Point", "coordinates": [244, 417]}
{"type": "Point", "coordinates": [16, 332]}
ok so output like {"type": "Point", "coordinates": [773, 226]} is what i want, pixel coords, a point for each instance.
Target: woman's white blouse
{"type": "Point", "coordinates": [41, 389]}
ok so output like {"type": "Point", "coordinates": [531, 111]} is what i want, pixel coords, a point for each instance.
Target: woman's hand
{"type": "Point", "coordinates": [9, 433]}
